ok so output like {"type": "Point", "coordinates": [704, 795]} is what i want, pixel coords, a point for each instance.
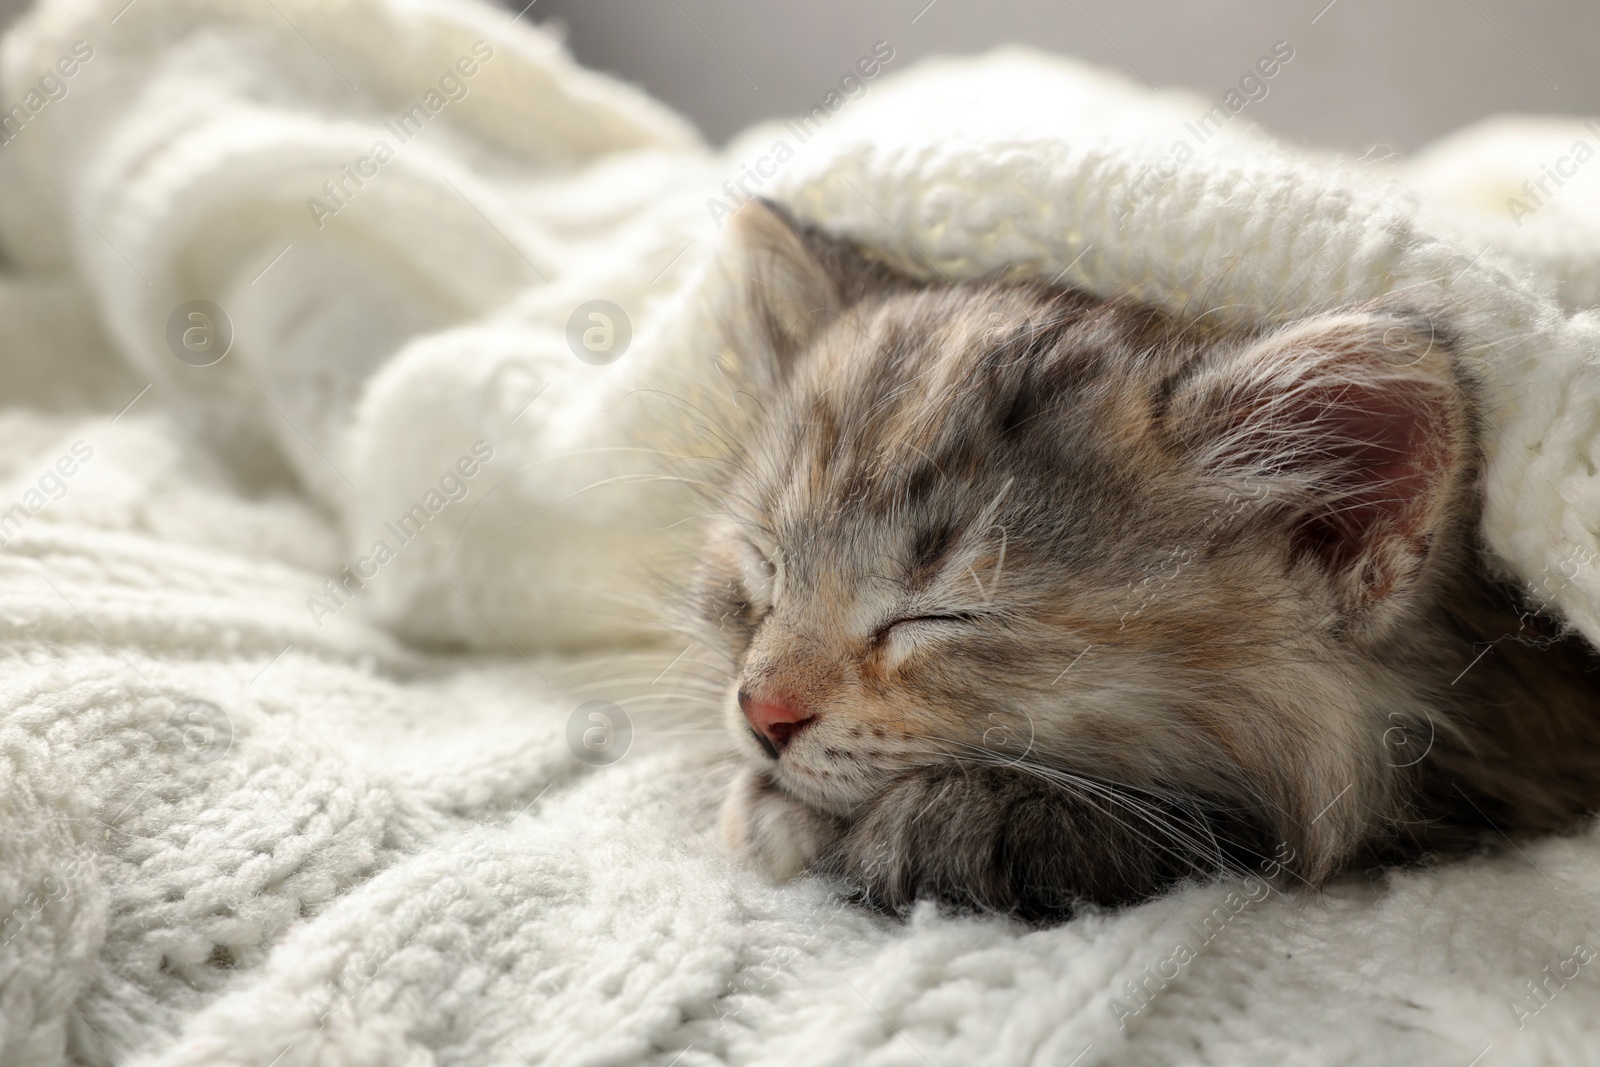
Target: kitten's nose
{"type": "Point", "coordinates": [773, 721]}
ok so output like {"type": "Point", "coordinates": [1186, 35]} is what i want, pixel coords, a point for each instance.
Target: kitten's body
{"type": "Point", "coordinates": [1034, 598]}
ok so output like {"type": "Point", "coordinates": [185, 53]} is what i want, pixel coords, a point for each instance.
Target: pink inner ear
{"type": "Point", "coordinates": [1384, 450]}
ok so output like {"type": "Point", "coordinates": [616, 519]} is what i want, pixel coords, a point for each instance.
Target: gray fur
{"type": "Point", "coordinates": [1088, 600]}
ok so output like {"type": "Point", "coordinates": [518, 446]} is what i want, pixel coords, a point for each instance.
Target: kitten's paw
{"type": "Point", "coordinates": [1000, 839]}
{"type": "Point", "coordinates": [771, 831]}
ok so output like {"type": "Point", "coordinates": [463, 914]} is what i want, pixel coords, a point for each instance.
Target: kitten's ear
{"type": "Point", "coordinates": [788, 281]}
{"type": "Point", "coordinates": [1354, 427]}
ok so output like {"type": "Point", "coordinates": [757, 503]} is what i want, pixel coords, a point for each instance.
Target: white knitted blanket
{"type": "Point", "coordinates": [244, 820]}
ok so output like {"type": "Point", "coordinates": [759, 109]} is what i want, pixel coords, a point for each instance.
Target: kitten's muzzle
{"type": "Point", "coordinates": [774, 721]}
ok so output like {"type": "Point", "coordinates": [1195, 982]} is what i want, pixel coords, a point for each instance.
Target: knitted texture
{"type": "Point", "coordinates": [259, 811]}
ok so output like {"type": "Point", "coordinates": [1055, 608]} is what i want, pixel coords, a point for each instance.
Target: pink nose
{"type": "Point", "coordinates": [773, 721]}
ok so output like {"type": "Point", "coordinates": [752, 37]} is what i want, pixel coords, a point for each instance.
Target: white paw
{"type": "Point", "coordinates": [769, 830]}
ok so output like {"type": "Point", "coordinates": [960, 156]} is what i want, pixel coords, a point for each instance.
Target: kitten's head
{"type": "Point", "coordinates": [1016, 528]}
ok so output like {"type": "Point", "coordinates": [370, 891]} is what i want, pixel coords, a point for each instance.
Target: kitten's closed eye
{"type": "Point", "coordinates": [904, 636]}
{"type": "Point", "coordinates": [1057, 598]}
{"type": "Point", "coordinates": [965, 618]}
{"type": "Point", "coordinates": [759, 577]}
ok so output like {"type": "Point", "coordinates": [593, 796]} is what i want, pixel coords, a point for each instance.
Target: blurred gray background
{"type": "Point", "coordinates": [1384, 74]}
{"type": "Point", "coordinates": [1387, 73]}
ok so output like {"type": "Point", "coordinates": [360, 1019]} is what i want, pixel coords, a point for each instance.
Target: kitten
{"type": "Point", "coordinates": [1033, 598]}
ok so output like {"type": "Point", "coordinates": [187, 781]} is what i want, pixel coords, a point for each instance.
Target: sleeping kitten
{"type": "Point", "coordinates": [1033, 598]}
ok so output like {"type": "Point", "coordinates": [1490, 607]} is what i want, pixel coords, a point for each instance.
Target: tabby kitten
{"type": "Point", "coordinates": [1033, 598]}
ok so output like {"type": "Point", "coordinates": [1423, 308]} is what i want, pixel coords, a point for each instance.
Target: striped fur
{"type": "Point", "coordinates": [1086, 599]}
